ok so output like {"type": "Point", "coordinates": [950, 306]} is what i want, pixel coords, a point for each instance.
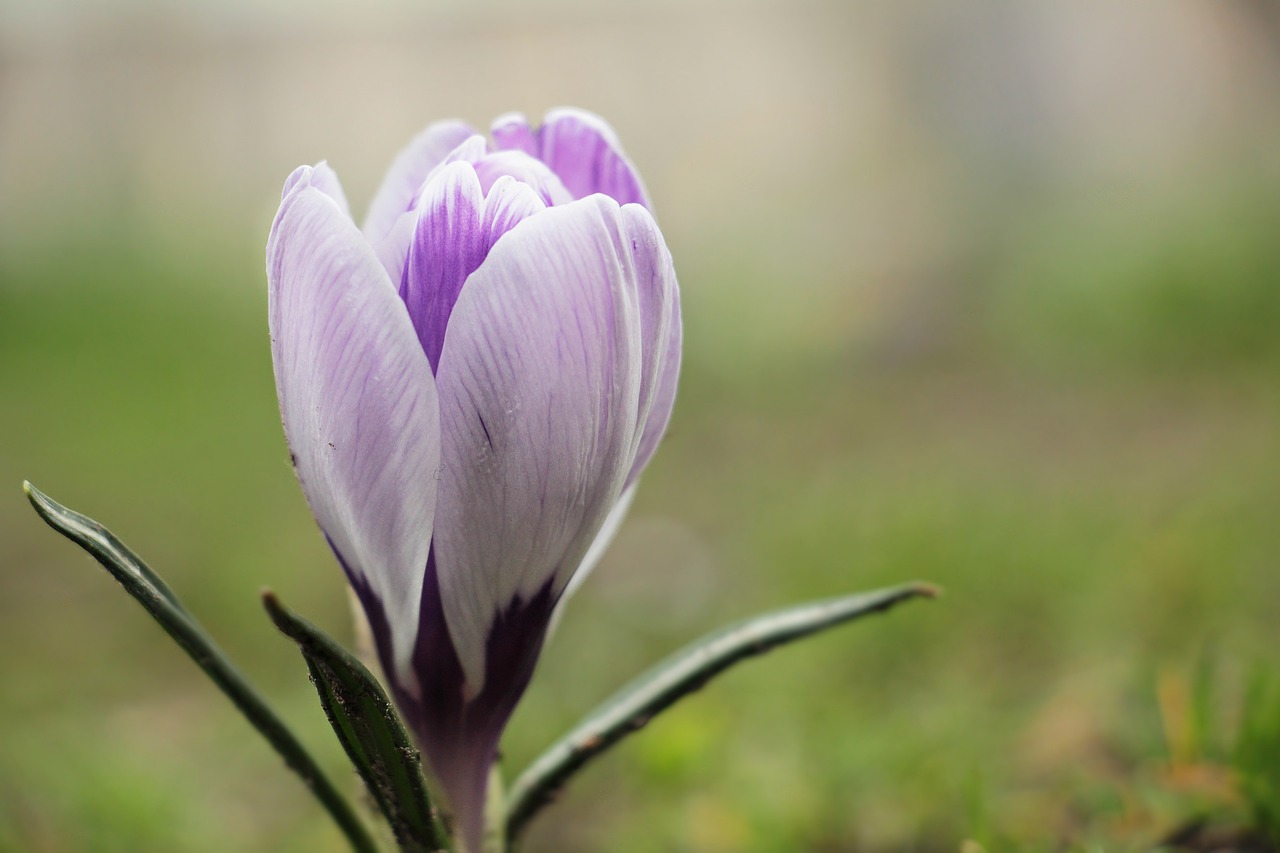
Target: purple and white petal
{"type": "Point", "coordinates": [359, 406]}
{"type": "Point", "coordinates": [448, 244]}
{"type": "Point", "coordinates": [660, 333]}
{"type": "Point", "coordinates": [540, 388]}
{"type": "Point", "coordinates": [408, 172]}
{"type": "Point", "coordinates": [584, 151]}
{"type": "Point", "coordinates": [456, 226]}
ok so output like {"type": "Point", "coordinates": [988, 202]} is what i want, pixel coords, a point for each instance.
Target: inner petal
{"type": "Point", "coordinates": [512, 131]}
{"type": "Point", "coordinates": [457, 224]}
{"type": "Point", "coordinates": [527, 170]}
{"type": "Point", "coordinates": [580, 148]}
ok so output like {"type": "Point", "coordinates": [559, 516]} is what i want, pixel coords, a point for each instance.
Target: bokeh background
{"type": "Point", "coordinates": [986, 294]}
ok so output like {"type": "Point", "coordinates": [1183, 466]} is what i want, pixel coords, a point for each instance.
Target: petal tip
{"type": "Point", "coordinates": [298, 179]}
{"type": "Point", "coordinates": [515, 117]}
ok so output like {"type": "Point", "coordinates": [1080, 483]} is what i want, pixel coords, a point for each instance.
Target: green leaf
{"type": "Point", "coordinates": [370, 732]}
{"type": "Point", "coordinates": [159, 601]}
{"type": "Point", "coordinates": [1257, 752]}
{"type": "Point", "coordinates": [679, 675]}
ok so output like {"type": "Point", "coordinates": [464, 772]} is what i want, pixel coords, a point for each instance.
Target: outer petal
{"type": "Point", "coordinates": [456, 226]}
{"type": "Point", "coordinates": [584, 151]}
{"type": "Point", "coordinates": [359, 406]}
{"type": "Point", "coordinates": [660, 333]}
{"type": "Point", "coordinates": [660, 336]}
{"type": "Point", "coordinates": [326, 180]}
{"type": "Point", "coordinates": [540, 391]}
{"type": "Point", "coordinates": [666, 378]}
{"type": "Point", "coordinates": [408, 171]}
{"type": "Point", "coordinates": [540, 384]}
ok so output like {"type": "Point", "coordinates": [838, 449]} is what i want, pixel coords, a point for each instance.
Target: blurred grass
{"type": "Point", "coordinates": [1257, 753]}
{"type": "Point", "coordinates": [1087, 462]}
{"type": "Point", "coordinates": [1183, 279]}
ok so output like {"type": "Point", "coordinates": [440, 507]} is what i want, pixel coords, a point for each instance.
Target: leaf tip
{"type": "Point", "coordinates": [44, 505]}
{"type": "Point", "coordinates": [288, 623]}
{"type": "Point", "coordinates": [275, 608]}
{"type": "Point", "coordinates": [926, 590]}
{"type": "Point", "coordinates": [33, 494]}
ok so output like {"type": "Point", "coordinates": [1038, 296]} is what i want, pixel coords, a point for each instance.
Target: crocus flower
{"type": "Point", "coordinates": [470, 386]}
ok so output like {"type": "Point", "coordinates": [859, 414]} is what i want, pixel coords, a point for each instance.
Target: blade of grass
{"type": "Point", "coordinates": [366, 723]}
{"type": "Point", "coordinates": [1257, 752]}
{"type": "Point", "coordinates": [679, 675]}
{"type": "Point", "coordinates": [162, 604]}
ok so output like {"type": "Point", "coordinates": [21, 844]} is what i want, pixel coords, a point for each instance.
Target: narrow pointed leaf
{"type": "Point", "coordinates": [679, 675]}
{"type": "Point", "coordinates": [160, 602]}
{"type": "Point", "coordinates": [366, 723]}
{"type": "Point", "coordinates": [102, 544]}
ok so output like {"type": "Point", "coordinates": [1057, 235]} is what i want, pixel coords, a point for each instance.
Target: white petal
{"type": "Point", "coordinates": [326, 180]}
{"type": "Point", "coordinates": [660, 334]}
{"type": "Point", "coordinates": [540, 389]}
{"type": "Point", "coordinates": [358, 401]}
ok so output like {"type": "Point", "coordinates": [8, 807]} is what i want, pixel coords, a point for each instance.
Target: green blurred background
{"type": "Point", "coordinates": [984, 294]}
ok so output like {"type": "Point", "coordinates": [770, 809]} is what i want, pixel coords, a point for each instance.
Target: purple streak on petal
{"type": "Point", "coordinates": [357, 398]}
{"type": "Point", "coordinates": [584, 151]}
{"type": "Point", "coordinates": [456, 227]}
{"type": "Point", "coordinates": [435, 656]}
{"type": "Point", "coordinates": [511, 132]}
{"type": "Point", "coordinates": [376, 613]}
{"type": "Point", "coordinates": [460, 735]}
{"type": "Point", "coordinates": [540, 390]}
{"type": "Point", "coordinates": [437, 695]}
{"type": "Point", "coordinates": [408, 172]}
{"type": "Point", "coordinates": [448, 244]}
{"type": "Point", "coordinates": [460, 738]}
